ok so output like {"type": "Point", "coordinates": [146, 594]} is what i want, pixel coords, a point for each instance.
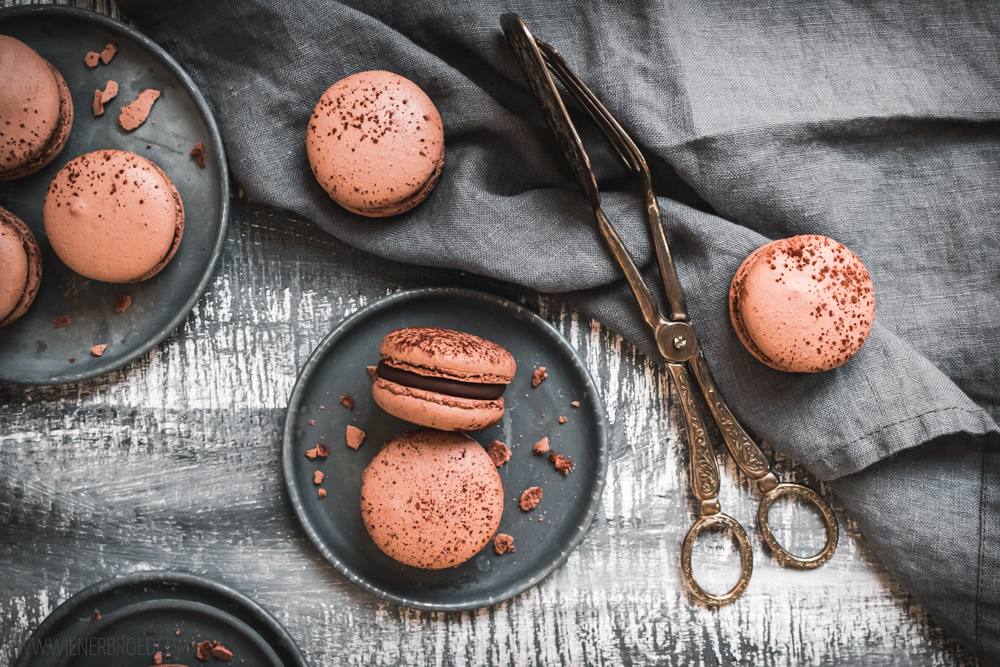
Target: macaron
{"type": "Point", "coordinates": [376, 143]}
{"type": "Point", "coordinates": [20, 267]}
{"type": "Point", "coordinates": [36, 110]}
{"type": "Point", "coordinates": [443, 379]}
{"type": "Point", "coordinates": [431, 499]}
{"type": "Point", "coordinates": [113, 216]}
{"type": "Point", "coordinates": [804, 304]}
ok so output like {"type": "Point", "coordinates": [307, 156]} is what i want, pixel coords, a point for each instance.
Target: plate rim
{"type": "Point", "coordinates": [215, 137]}
{"type": "Point", "coordinates": [297, 396]}
{"type": "Point", "coordinates": [158, 577]}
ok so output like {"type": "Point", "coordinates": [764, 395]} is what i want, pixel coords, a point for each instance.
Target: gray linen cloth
{"type": "Point", "coordinates": [874, 124]}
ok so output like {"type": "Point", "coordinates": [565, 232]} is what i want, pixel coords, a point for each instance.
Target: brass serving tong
{"type": "Point", "coordinates": [675, 337]}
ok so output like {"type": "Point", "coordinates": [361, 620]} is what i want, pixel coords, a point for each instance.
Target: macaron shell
{"type": "Point", "coordinates": [113, 216]}
{"type": "Point", "coordinates": [36, 110]}
{"type": "Point", "coordinates": [431, 499]}
{"type": "Point", "coordinates": [425, 408]}
{"type": "Point", "coordinates": [20, 267]}
{"type": "Point", "coordinates": [446, 353]}
{"type": "Point", "coordinates": [375, 143]}
{"type": "Point", "coordinates": [807, 304]}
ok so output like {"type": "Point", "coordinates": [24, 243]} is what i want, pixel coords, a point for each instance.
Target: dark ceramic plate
{"type": "Point", "coordinates": [31, 351]}
{"type": "Point", "coordinates": [338, 367]}
{"type": "Point", "coordinates": [150, 612]}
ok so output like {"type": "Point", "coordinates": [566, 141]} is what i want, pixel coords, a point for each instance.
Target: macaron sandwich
{"type": "Point", "coordinates": [20, 267]}
{"type": "Point", "coordinates": [36, 110]}
{"type": "Point", "coordinates": [442, 379]}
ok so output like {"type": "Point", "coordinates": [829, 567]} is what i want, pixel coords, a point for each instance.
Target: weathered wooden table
{"type": "Point", "coordinates": [172, 463]}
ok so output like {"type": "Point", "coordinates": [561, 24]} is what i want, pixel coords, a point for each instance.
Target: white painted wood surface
{"type": "Point", "coordinates": [172, 463]}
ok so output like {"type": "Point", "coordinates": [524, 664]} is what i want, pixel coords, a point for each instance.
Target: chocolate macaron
{"type": "Point", "coordinates": [443, 379]}
{"type": "Point", "coordinates": [113, 216]}
{"type": "Point", "coordinates": [36, 110]}
{"type": "Point", "coordinates": [20, 267]}
{"type": "Point", "coordinates": [431, 499]}
{"type": "Point", "coordinates": [376, 143]}
{"type": "Point", "coordinates": [804, 304]}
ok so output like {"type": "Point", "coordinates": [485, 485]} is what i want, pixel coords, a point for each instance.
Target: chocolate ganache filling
{"type": "Point", "coordinates": [474, 390]}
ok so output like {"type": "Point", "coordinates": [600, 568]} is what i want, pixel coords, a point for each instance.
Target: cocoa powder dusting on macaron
{"type": "Point", "coordinates": [198, 154]}
{"type": "Point", "coordinates": [92, 59]}
{"type": "Point", "coordinates": [347, 401]}
{"type": "Point", "coordinates": [530, 498]}
{"type": "Point", "coordinates": [503, 544]}
{"type": "Point", "coordinates": [355, 436]}
{"type": "Point", "coordinates": [61, 321]}
{"type": "Point", "coordinates": [499, 453]}
{"type": "Point", "coordinates": [135, 114]}
{"type": "Point", "coordinates": [541, 446]}
{"type": "Point", "coordinates": [123, 303]}
{"type": "Point", "coordinates": [538, 376]}
{"type": "Point", "coordinates": [109, 52]}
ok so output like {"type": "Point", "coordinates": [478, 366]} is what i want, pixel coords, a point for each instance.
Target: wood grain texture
{"type": "Point", "coordinates": [172, 463]}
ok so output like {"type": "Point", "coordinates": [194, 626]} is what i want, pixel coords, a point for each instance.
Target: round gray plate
{"type": "Point", "coordinates": [338, 367]}
{"type": "Point", "coordinates": [150, 612]}
{"type": "Point", "coordinates": [31, 351]}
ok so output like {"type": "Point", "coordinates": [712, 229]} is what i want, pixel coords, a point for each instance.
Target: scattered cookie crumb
{"type": "Point", "coordinates": [355, 436]}
{"type": "Point", "coordinates": [541, 446]}
{"type": "Point", "coordinates": [538, 376]}
{"type": "Point", "coordinates": [499, 452]}
{"type": "Point", "coordinates": [322, 494]}
{"type": "Point", "coordinates": [135, 114]}
{"type": "Point", "coordinates": [204, 651]}
{"type": "Point", "coordinates": [102, 97]}
{"type": "Point", "coordinates": [157, 658]}
{"type": "Point", "coordinates": [98, 350]}
{"type": "Point", "coordinates": [198, 154]}
{"type": "Point", "coordinates": [530, 498]}
{"type": "Point", "coordinates": [92, 59]}
{"type": "Point", "coordinates": [221, 652]}
{"type": "Point", "coordinates": [575, 404]}
{"type": "Point", "coordinates": [318, 477]}
{"type": "Point", "coordinates": [503, 544]}
{"type": "Point", "coordinates": [109, 52]}
{"type": "Point", "coordinates": [312, 422]}
{"type": "Point", "coordinates": [371, 371]}
{"type": "Point", "coordinates": [320, 450]}
{"type": "Point", "coordinates": [562, 420]}
{"type": "Point", "coordinates": [347, 401]}
{"type": "Point", "coordinates": [123, 303]}
{"type": "Point", "coordinates": [61, 321]}
{"type": "Point", "coordinates": [562, 463]}
{"type": "Point", "coordinates": [71, 360]}
{"type": "Point", "coordinates": [95, 617]}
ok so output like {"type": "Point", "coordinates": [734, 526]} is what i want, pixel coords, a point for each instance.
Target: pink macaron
{"type": "Point", "coordinates": [376, 143]}
{"type": "Point", "coordinates": [804, 304]}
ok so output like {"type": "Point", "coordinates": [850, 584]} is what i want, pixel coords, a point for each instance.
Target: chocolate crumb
{"type": "Point", "coordinates": [355, 436]}
{"type": "Point", "coordinates": [538, 376]}
{"type": "Point", "coordinates": [123, 303]}
{"type": "Point", "coordinates": [562, 420]}
{"type": "Point", "coordinates": [322, 451]}
{"type": "Point", "coordinates": [322, 494]}
{"type": "Point", "coordinates": [221, 652]}
{"type": "Point", "coordinates": [157, 658]}
{"type": "Point", "coordinates": [95, 617]}
{"type": "Point", "coordinates": [92, 59]}
{"type": "Point", "coordinates": [541, 446]}
{"type": "Point", "coordinates": [503, 544]}
{"type": "Point", "coordinates": [312, 422]}
{"type": "Point", "coordinates": [575, 404]}
{"type": "Point", "coordinates": [499, 452]}
{"type": "Point", "coordinates": [61, 321]}
{"type": "Point", "coordinates": [98, 350]}
{"type": "Point", "coordinates": [204, 651]}
{"type": "Point", "coordinates": [371, 371]}
{"type": "Point", "coordinates": [198, 154]}
{"type": "Point", "coordinates": [318, 477]}
{"type": "Point", "coordinates": [109, 52]}
{"type": "Point", "coordinates": [71, 360]}
{"type": "Point", "coordinates": [135, 114]}
{"type": "Point", "coordinates": [347, 401]}
{"type": "Point", "coordinates": [562, 463]}
{"type": "Point", "coordinates": [530, 498]}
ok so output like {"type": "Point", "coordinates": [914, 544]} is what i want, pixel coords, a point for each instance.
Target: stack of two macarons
{"type": "Point", "coordinates": [110, 215]}
{"type": "Point", "coordinates": [432, 498]}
